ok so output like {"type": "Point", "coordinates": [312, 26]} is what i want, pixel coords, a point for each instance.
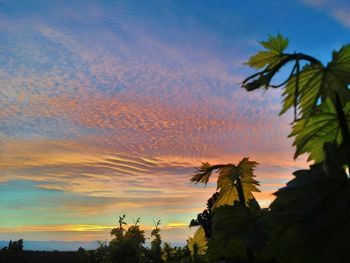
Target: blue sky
{"type": "Point", "coordinates": [106, 107]}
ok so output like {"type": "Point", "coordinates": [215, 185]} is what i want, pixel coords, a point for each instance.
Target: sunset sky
{"type": "Point", "coordinates": [107, 107]}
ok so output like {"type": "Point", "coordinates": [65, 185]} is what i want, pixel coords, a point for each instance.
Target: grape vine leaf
{"type": "Point", "coordinates": [311, 191]}
{"type": "Point", "coordinates": [227, 179]}
{"type": "Point", "coordinates": [203, 174]}
{"type": "Point", "coordinates": [249, 224]}
{"type": "Point", "coordinates": [272, 55]}
{"type": "Point", "coordinates": [306, 87]}
{"type": "Point", "coordinates": [228, 176]}
{"type": "Point", "coordinates": [311, 213]}
{"type": "Point", "coordinates": [316, 82]}
{"type": "Point", "coordinates": [198, 243]}
{"type": "Point", "coordinates": [323, 126]}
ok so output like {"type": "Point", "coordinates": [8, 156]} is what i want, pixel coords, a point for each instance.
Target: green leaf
{"type": "Point", "coordinates": [228, 175]}
{"type": "Point", "coordinates": [227, 179]}
{"type": "Point", "coordinates": [276, 44]}
{"type": "Point", "coordinates": [272, 56]}
{"type": "Point", "coordinates": [311, 213]}
{"type": "Point", "coordinates": [311, 133]}
{"type": "Point", "coordinates": [249, 224]}
{"type": "Point", "coordinates": [341, 64]}
{"type": "Point", "coordinates": [310, 78]}
{"type": "Point", "coordinates": [317, 82]}
{"type": "Point", "coordinates": [263, 58]}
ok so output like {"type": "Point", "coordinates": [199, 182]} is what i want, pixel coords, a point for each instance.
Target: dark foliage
{"type": "Point", "coordinates": [309, 219]}
{"type": "Point", "coordinates": [204, 219]}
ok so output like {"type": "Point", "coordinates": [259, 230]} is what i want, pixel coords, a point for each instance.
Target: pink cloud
{"type": "Point", "coordinates": [123, 123]}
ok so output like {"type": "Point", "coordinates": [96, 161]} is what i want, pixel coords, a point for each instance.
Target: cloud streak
{"type": "Point", "coordinates": [338, 9]}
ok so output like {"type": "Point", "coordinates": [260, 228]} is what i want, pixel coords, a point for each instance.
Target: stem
{"type": "Point", "coordinates": [239, 188]}
{"type": "Point", "coordinates": [289, 57]}
{"type": "Point", "coordinates": [343, 127]}
{"type": "Point", "coordinates": [288, 79]}
{"type": "Point", "coordinates": [296, 92]}
{"type": "Point", "coordinates": [342, 120]}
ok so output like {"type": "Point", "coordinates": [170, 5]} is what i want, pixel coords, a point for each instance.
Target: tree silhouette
{"type": "Point", "coordinates": [15, 246]}
{"type": "Point", "coordinates": [156, 243]}
{"type": "Point", "coordinates": [127, 245]}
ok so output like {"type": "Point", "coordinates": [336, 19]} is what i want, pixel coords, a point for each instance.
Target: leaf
{"type": "Point", "coordinates": [317, 82]}
{"type": "Point", "coordinates": [203, 174]}
{"type": "Point", "coordinates": [309, 83]}
{"type": "Point", "coordinates": [264, 58]}
{"type": "Point", "coordinates": [248, 224]}
{"type": "Point", "coordinates": [272, 56]}
{"type": "Point", "coordinates": [323, 126]}
{"type": "Point", "coordinates": [228, 176]}
{"type": "Point", "coordinates": [228, 193]}
{"type": "Point", "coordinates": [204, 219]}
{"type": "Point", "coordinates": [341, 64]}
{"type": "Point", "coordinates": [247, 167]}
{"type": "Point", "coordinates": [311, 191]}
{"type": "Point", "coordinates": [276, 44]}
{"type": "Point", "coordinates": [311, 213]}
{"type": "Point", "coordinates": [198, 244]}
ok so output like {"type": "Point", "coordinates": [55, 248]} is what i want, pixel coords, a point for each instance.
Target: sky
{"type": "Point", "coordinates": [107, 107]}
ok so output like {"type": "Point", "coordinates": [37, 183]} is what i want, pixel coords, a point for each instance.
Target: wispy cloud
{"type": "Point", "coordinates": [337, 9]}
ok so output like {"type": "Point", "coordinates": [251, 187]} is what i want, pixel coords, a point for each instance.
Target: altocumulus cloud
{"type": "Point", "coordinates": [115, 122]}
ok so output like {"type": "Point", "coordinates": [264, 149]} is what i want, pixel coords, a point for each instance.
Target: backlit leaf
{"type": "Point", "coordinates": [198, 243]}
{"type": "Point", "coordinates": [203, 174]}
{"type": "Point", "coordinates": [228, 176]}
{"type": "Point", "coordinates": [271, 56]}
{"type": "Point", "coordinates": [276, 44]}
{"type": "Point", "coordinates": [323, 126]}
{"type": "Point", "coordinates": [317, 82]}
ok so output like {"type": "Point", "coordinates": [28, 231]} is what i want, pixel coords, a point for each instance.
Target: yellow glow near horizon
{"type": "Point", "coordinates": [57, 228]}
{"type": "Point", "coordinates": [82, 227]}
{"type": "Point", "coordinates": [176, 225]}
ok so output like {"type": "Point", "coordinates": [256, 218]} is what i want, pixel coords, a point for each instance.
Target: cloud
{"type": "Point", "coordinates": [337, 9]}
{"type": "Point", "coordinates": [103, 124]}
{"type": "Point", "coordinates": [172, 232]}
{"type": "Point", "coordinates": [137, 101]}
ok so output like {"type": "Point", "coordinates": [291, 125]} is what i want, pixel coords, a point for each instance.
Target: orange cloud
{"type": "Point", "coordinates": [122, 131]}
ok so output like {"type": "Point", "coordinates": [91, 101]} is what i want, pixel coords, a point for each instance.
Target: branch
{"type": "Point", "coordinates": [269, 73]}
{"type": "Point", "coordinates": [239, 188]}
